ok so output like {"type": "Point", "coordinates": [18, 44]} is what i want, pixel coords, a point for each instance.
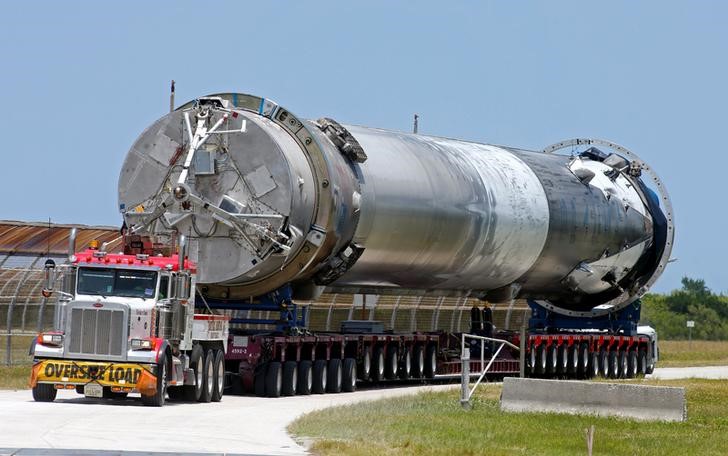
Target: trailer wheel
{"type": "Point", "coordinates": [218, 376]}
{"type": "Point", "coordinates": [390, 371]}
{"type": "Point", "coordinates": [623, 364]}
{"type": "Point", "coordinates": [290, 378]}
{"type": "Point", "coordinates": [613, 364]}
{"type": "Point", "coordinates": [405, 366]}
{"type": "Point", "coordinates": [273, 380]}
{"type": "Point", "coordinates": [418, 361]}
{"type": "Point", "coordinates": [604, 363]}
{"type": "Point", "coordinates": [157, 399]}
{"type": "Point", "coordinates": [574, 359]}
{"type": "Point", "coordinates": [431, 361]}
{"type": "Point", "coordinates": [632, 372]}
{"type": "Point", "coordinates": [44, 392]}
{"type": "Point", "coordinates": [192, 393]}
{"type": "Point", "coordinates": [259, 380]}
{"type": "Point", "coordinates": [305, 378]}
{"type": "Point", "coordinates": [563, 359]}
{"type": "Point", "coordinates": [377, 372]}
{"type": "Point", "coordinates": [335, 376]}
{"type": "Point", "coordinates": [320, 374]}
{"type": "Point", "coordinates": [532, 360]}
{"type": "Point", "coordinates": [208, 376]}
{"type": "Point", "coordinates": [594, 365]}
{"type": "Point", "coordinates": [642, 363]}
{"type": "Point", "coordinates": [349, 382]}
{"type": "Point", "coordinates": [583, 366]}
{"type": "Point", "coordinates": [541, 358]}
{"type": "Point", "coordinates": [552, 359]}
{"type": "Point", "coordinates": [366, 365]}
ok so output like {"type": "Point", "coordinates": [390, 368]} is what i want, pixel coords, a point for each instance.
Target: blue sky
{"type": "Point", "coordinates": [80, 81]}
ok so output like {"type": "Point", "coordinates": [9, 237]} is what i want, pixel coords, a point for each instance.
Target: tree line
{"type": "Point", "coordinates": [669, 313]}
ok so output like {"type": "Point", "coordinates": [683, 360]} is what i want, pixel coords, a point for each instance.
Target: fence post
{"type": "Point", "coordinates": [522, 350]}
{"type": "Point", "coordinates": [465, 379]}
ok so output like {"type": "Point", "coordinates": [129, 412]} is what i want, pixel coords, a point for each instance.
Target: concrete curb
{"type": "Point", "coordinates": [647, 403]}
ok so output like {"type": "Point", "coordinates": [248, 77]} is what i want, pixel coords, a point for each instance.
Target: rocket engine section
{"type": "Point", "coordinates": [269, 199]}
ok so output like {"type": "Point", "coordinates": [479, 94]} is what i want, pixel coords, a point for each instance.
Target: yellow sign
{"type": "Point", "coordinates": [107, 374]}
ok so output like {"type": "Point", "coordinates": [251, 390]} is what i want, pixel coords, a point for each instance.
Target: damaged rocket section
{"type": "Point", "coordinates": [269, 199]}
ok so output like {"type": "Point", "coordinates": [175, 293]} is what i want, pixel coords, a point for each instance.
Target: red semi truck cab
{"type": "Point", "coordinates": [125, 323]}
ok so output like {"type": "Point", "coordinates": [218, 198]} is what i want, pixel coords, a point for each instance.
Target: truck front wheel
{"type": "Point", "coordinates": [43, 392]}
{"type": "Point", "coordinates": [157, 399]}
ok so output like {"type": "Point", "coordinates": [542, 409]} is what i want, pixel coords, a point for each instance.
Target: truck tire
{"type": "Point", "coordinates": [583, 366]}
{"type": "Point", "coordinates": [418, 361]}
{"type": "Point", "coordinates": [642, 363]}
{"type": "Point", "coordinates": [541, 359]}
{"type": "Point", "coordinates": [290, 378]}
{"type": "Point", "coordinates": [430, 361]}
{"type": "Point", "coordinates": [197, 364]}
{"type": "Point", "coordinates": [274, 379]}
{"type": "Point", "coordinates": [259, 379]}
{"type": "Point", "coordinates": [218, 377]}
{"type": "Point", "coordinates": [531, 364]}
{"type": "Point", "coordinates": [320, 376]}
{"type": "Point", "coordinates": [348, 384]}
{"type": "Point", "coordinates": [623, 364]}
{"type": "Point", "coordinates": [377, 372]}
{"type": "Point", "coordinates": [335, 376]}
{"type": "Point", "coordinates": [44, 392]}
{"type": "Point", "coordinates": [208, 373]}
{"type": "Point", "coordinates": [632, 372]}
{"type": "Point", "coordinates": [392, 364]}
{"type": "Point", "coordinates": [405, 365]}
{"type": "Point", "coordinates": [365, 368]}
{"type": "Point", "coordinates": [305, 378]}
{"type": "Point", "coordinates": [157, 399]}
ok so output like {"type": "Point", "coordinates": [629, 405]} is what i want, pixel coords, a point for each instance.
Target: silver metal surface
{"type": "Point", "coordinates": [362, 210]}
{"type": "Point", "coordinates": [93, 332]}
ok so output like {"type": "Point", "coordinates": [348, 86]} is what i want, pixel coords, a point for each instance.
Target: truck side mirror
{"type": "Point", "coordinates": [49, 278]}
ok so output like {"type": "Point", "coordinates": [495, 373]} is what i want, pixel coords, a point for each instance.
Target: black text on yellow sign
{"type": "Point", "coordinates": [70, 372]}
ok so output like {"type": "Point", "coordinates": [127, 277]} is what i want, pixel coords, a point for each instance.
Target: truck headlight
{"type": "Point", "coordinates": [54, 339]}
{"type": "Point", "coordinates": [142, 344]}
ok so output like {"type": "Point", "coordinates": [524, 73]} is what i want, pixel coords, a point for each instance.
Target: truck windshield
{"type": "Point", "coordinates": [130, 283]}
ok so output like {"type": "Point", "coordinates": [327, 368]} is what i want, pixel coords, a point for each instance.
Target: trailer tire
{"type": "Point", "coordinates": [604, 363]}
{"type": "Point", "coordinates": [290, 379]}
{"type": "Point", "coordinates": [192, 393]}
{"type": "Point", "coordinates": [418, 361]}
{"type": "Point", "coordinates": [431, 361]}
{"type": "Point", "coordinates": [623, 364]}
{"type": "Point", "coordinates": [273, 380]}
{"type": "Point", "coordinates": [574, 359]}
{"type": "Point", "coordinates": [552, 359]}
{"type": "Point", "coordinates": [563, 360]}
{"type": "Point", "coordinates": [157, 399]}
{"type": "Point", "coordinates": [392, 364]}
{"type": "Point", "coordinates": [642, 363]}
{"type": "Point", "coordinates": [218, 377]}
{"type": "Point", "coordinates": [532, 360]}
{"type": "Point", "coordinates": [305, 378]}
{"type": "Point", "coordinates": [632, 372]}
{"type": "Point", "coordinates": [335, 376]}
{"type": "Point", "coordinates": [541, 359]}
{"type": "Point", "coordinates": [594, 365]}
{"type": "Point", "coordinates": [583, 366]}
{"type": "Point", "coordinates": [349, 376]}
{"type": "Point", "coordinates": [259, 380]}
{"type": "Point", "coordinates": [613, 364]}
{"type": "Point", "coordinates": [405, 365]}
{"type": "Point", "coordinates": [320, 376]}
{"type": "Point", "coordinates": [44, 392]}
{"type": "Point", "coordinates": [208, 373]}
{"type": "Point", "coordinates": [366, 365]}
{"type": "Point", "coordinates": [377, 372]}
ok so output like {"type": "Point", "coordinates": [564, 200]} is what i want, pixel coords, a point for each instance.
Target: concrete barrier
{"type": "Point", "coordinates": [649, 403]}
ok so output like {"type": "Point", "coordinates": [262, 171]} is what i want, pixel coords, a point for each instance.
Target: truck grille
{"type": "Point", "coordinates": [96, 332]}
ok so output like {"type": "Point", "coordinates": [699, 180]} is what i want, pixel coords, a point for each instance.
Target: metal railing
{"type": "Point", "coordinates": [465, 391]}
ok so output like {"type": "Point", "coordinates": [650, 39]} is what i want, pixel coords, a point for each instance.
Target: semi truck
{"type": "Point", "coordinates": [274, 210]}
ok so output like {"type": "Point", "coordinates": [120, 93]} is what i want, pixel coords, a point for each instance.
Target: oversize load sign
{"type": "Point", "coordinates": [108, 374]}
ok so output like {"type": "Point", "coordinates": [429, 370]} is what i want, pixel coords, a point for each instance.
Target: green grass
{"type": "Point", "coordinates": [681, 353]}
{"type": "Point", "coordinates": [434, 423]}
{"type": "Point", "coordinates": [14, 377]}
{"type": "Point", "coordinates": [17, 375]}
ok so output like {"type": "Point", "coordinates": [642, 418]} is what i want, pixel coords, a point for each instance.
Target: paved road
{"type": "Point", "coordinates": [240, 425]}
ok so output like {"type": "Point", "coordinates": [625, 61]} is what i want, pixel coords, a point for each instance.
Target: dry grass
{"type": "Point", "coordinates": [681, 353]}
